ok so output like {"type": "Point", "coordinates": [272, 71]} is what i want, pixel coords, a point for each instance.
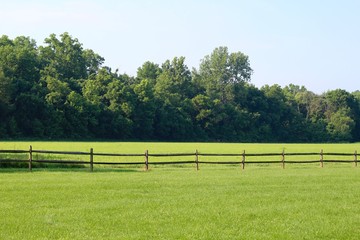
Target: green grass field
{"type": "Point", "coordinates": [156, 147]}
{"type": "Point", "coordinates": [223, 203]}
{"type": "Point", "coordinates": [162, 147]}
{"type": "Point", "coordinates": [217, 202]}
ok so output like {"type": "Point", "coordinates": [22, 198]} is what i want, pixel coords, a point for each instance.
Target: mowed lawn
{"type": "Point", "coordinates": [217, 202]}
{"type": "Point", "coordinates": [162, 147]}
{"type": "Point", "coordinates": [181, 203]}
{"type": "Point", "coordinates": [166, 147]}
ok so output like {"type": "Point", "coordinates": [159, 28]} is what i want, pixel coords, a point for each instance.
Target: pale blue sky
{"type": "Point", "coordinates": [313, 43]}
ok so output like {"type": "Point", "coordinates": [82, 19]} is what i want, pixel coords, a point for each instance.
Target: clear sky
{"type": "Point", "coordinates": [315, 43]}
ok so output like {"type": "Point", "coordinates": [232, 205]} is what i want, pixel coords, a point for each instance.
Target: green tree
{"type": "Point", "coordinates": [67, 61]}
{"type": "Point", "coordinates": [340, 113]}
{"type": "Point", "coordinates": [220, 87]}
{"type": "Point", "coordinates": [257, 104]}
{"type": "Point", "coordinates": [341, 125]}
{"type": "Point", "coordinates": [112, 97]}
{"type": "Point", "coordinates": [4, 88]}
{"type": "Point", "coordinates": [356, 110]}
{"type": "Point", "coordinates": [221, 71]}
{"type": "Point", "coordinates": [174, 83]}
{"type": "Point", "coordinates": [173, 93]}
{"type": "Point", "coordinates": [19, 64]}
{"type": "Point", "coordinates": [338, 99]}
{"type": "Point", "coordinates": [285, 121]}
{"type": "Point", "coordinates": [149, 71]}
{"type": "Point", "coordinates": [65, 68]}
{"type": "Point", "coordinates": [65, 56]}
{"type": "Point", "coordinates": [96, 86]}
{"type": "Point", "coordinates": [4, 102]}
{"type": "Point", "coordinates": [304, 101]}
{"type": "Point", "coordinates": [145, 108]}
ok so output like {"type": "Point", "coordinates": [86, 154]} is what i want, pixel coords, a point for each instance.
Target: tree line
{"type": "Point", "coordinates": [62, 91]}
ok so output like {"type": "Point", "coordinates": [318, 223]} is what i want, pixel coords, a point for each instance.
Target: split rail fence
{"type": "Point", "coordinates": [241, 162]}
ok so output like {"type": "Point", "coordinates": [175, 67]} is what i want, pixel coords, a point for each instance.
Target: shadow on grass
{"type": "Point", "coordinates": [40, 167]}
{"type": "Point", "coordinates": [69, 170]}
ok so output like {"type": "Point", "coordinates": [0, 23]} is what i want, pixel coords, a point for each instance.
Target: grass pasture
{"type": "Point", "coordinates": [217, 202]}
{"type": "Point", "coordinates": [163, 148]}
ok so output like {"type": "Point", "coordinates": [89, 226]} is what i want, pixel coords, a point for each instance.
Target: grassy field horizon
{"type": "Point", "coordinates": [165, 147]}
{"type": "Point", "coordinates": [176, 147]}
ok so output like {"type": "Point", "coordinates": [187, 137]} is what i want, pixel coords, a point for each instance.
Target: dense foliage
{"type": "Point", "coordinates": [62, 91]}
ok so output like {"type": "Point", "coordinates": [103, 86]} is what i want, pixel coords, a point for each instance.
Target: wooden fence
{"type": "Point", "coordinates": [91, 155]}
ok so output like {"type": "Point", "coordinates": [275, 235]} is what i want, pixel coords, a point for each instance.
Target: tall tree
{"type": "Point", "coordinates": [111, 96]}
{"type": "Point", "coordinates": [341, 125]}
{"type": "Point", "coordinates": [221, 71]}
{"type": "Point", "coordinates": [173, 90]}
{"type": "Point", "coordinates": [174, 82]}
{"type": "Point", "coordinates": [220, 106]}
{"type": "Point", "coordinates": [4, 102]}
{"type": "Point", "coordinates": [150, 71]}
{"type": "Point", "coordinates": [65, 56]}
{"type": "Point", "coordinates": [67, 61]}
{"type": "Point", "coordinates": [145, 107]}
{"type": "Point", "coordinates": [20, 66]}
{"type": "Point", "coordinates": [340, 113]}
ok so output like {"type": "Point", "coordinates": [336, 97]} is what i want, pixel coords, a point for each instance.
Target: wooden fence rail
{"type": "Point", "coordinates": [241, 162]}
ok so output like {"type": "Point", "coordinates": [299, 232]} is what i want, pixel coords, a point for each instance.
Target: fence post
{"type": "Point", "coordinates": [321, 158]}
{"type": "Point", "coordinates": [91, 159]}
{"type": "Point", "coordinates": [197, 160]}
{"type": "Point", "coordinates": [243, 160]}
{"type": "Point", "coordinates": [355, 160]}
{"type": "Point", "coordinates": [146, 160]}
{"type": "Point", "coordinates": [283, 158]}
{"type": "Point", "coordinates": [30, 158]}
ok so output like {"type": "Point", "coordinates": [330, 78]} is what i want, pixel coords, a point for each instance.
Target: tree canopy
{"type": "Point", "coordinates": [62, 91]}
